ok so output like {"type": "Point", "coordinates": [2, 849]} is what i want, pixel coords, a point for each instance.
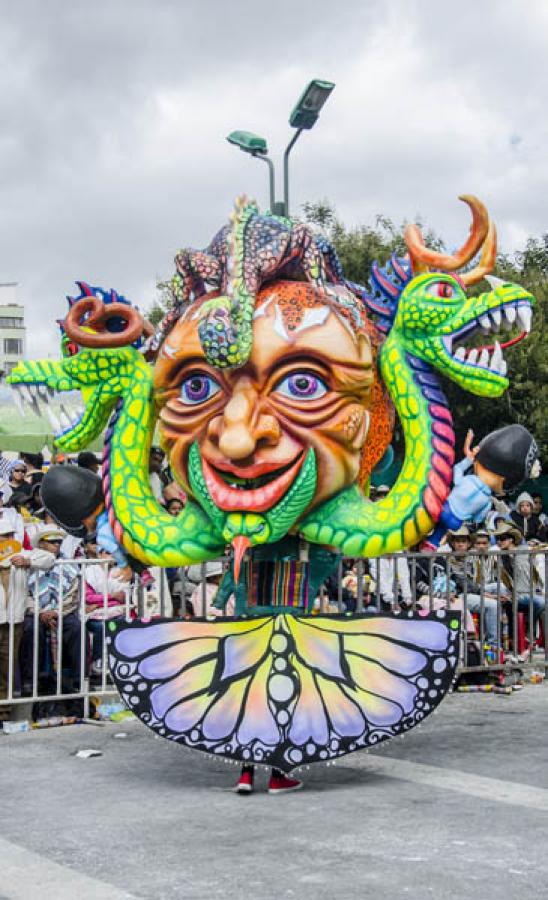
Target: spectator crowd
{"type": "Point", "coordinates": [489, 569]}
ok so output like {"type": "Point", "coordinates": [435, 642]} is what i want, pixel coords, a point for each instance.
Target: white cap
{"type": "Point", "coordinates": [6, 526]}
{"type": "Point", "coordinates": [47, 533]}
{"type": "Point", "coordinates": [213, 568]}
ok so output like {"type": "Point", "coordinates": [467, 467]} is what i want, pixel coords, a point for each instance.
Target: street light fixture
{"type": "Point", "coordinates": [307, 110]}
{"type": "Point", "coordinates": [303, 117]}
{"type": "Point", "coordinates": [248, 142]}
{"type": "Point", "coordinates": [256, 146]}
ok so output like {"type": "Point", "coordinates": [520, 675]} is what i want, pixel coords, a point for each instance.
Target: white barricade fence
{"type": "Point", "coordinates": [58, 651]}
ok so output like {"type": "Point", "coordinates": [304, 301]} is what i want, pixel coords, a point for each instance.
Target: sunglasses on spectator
{"type": "Point", "coordinates": [503, 537]}
{"type": "Point", "coordinates": [21, 471]}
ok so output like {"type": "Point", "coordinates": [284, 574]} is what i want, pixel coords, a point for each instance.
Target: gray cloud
{"type": "Point", "coordinates": [113, 118]}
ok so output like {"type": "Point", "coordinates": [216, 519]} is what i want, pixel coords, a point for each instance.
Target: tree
{"type": "Point", "coordinates": [526, 401]}
{"type": "Point", "coordinates": [160, 304]}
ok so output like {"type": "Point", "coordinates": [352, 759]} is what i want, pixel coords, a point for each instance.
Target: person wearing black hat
{"type": "Point", "coordinates": [501, 461]}
{"type": "Point", "coordinates": [519, 577]}
{"type": "Point", "coordinates": [88, 460]}
{"type": "Point", "coordinates": [74, 498]}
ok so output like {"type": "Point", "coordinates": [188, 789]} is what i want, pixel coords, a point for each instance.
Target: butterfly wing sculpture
{"type": "Point", "coordinates": [284, 690]}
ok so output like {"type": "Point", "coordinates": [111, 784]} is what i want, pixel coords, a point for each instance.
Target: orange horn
{"type": "Point", "coordinates": [487, 259]}
{"type": "Point", "coordinates": [422, 258]}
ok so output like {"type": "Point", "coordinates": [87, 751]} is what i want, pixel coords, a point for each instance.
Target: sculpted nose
{"type": "Point", "coordinates": [242, 427]}
{"type": "Point", "coordinates": [236, 440]}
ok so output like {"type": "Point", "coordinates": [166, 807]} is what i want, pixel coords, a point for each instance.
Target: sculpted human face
{"type": "Point", "coordinates": [303, 387]}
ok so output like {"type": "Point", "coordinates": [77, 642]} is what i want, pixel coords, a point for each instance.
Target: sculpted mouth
{"type": "Point", "coordinates": [38, 398]}
{"type": "Point", "coordinates": [233, 493]}
{"type": "Point", "coordinates": [490, 357]}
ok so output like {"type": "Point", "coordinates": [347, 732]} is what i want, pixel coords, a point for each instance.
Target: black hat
{"type": "Point", "coordinates": [35, 459]}
{"type": "Point", "coordinates": [70, 494]}
{"type": "Point", "coordinates": [19, 499]}
{"type": "Point", "coordinates": [87, 459]}
{"type": "Point", "coordinates": [510, 452]}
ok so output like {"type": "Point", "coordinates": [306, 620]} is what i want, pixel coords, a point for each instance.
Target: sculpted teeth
{"type": "Point", "coordinates": [54, 421]}
{"type": "Point", "coordinates": [505, 316]}
{"type": "Point", "coordinates": [496, 316]}
{"type": "Point", "coordinates": [18, 401]}
{"type": "Point", "coordinates": [497, 358]}
{"type": "Point", "coordinates": [481, 357]}
{"type": "Point", "coordinates": [524, 316]}
{"type": "Point", "coordinates": [36, 397]}
{"type": "Point", "coordinates": [484, 358]}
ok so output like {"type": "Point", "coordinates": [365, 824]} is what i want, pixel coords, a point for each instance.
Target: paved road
{"type": "Point", "coordinates": [459, 809]}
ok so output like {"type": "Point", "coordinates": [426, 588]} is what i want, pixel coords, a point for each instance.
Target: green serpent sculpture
{"type": "Point", "coordinates": [424, 317]}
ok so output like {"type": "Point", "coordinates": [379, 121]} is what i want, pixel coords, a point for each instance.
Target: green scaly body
{"type": "Point", "coordinates": [144, 528]}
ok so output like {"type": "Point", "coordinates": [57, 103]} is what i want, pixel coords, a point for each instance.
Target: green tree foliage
{"type": "Point", "coordinates": [526, 401]}
{"type": "Point", "coordinates": [160, 304]}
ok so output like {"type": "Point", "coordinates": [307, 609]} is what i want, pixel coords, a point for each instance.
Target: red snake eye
{"type": "Point", "coordinates": [445, 289]}
{"type": "Point", "coordinates": [72, 349]}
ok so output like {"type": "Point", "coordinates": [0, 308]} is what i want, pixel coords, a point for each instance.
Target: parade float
{"type": "Point", "coordinates": [273, 381]}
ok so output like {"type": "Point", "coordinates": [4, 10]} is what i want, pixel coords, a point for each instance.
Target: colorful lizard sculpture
{"type": "Point", "coordinates": [239, 259]}
{"type": "Point", "coordinates": [424, 316]}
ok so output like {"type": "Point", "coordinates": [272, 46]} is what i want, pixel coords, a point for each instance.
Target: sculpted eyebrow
{"type": "Point", "coordinates": [299, 359]}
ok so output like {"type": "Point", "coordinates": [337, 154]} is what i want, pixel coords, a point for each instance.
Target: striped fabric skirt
{"type": "Point", "coordinates": [277, 583]}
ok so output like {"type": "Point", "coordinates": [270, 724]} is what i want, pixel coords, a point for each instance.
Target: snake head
{"type": "Point", "coordinates": [99, 339]}
{"type": "Point", "coordinates": [436, 319]}
{"type": "Point", "coordinates": [427, 307]}
{"type": "Point", "coordinates": [101, 376]}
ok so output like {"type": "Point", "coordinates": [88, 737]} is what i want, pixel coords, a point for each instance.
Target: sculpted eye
{"type": "Point", "coordinates": [302, 386]}
{"type": "Point", "coordinates": [441, 289]}
{"type": "Point", "coordinates": [198, 388]}
{"type": "Point", "coordinates": [444, 289]}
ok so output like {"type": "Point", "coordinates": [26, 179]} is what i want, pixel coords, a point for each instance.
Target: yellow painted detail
{"type": "Point", "coordinates": [410, 535]}
{"type": "Point", "coordinates": [423, 520]}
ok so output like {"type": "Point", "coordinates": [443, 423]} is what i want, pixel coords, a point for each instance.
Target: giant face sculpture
{"type": "Point", "coordinates": [292, 420]}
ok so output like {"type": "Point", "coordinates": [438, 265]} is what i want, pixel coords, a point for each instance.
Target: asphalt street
{"type": "Point", "coordinates": [458, 809]}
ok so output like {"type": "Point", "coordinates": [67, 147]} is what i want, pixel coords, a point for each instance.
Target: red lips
{"type": "Point", "coordinates": [259, 499]}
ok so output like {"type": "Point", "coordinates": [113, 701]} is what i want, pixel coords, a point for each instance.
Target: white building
{"type": "Point", "coordinates": [12, 328]}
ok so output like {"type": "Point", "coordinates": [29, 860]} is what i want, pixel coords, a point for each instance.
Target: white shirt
{"type": "Point", "coordinates": [12, 606]}
{"type": "Point", "coordinates": [16, 521]}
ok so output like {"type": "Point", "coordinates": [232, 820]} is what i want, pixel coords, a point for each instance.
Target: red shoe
{"type": "Point", "coordinates": [245, 784]}
{"type": "Point", "coordinates": [281, 784]}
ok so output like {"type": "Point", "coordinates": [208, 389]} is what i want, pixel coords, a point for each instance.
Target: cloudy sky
{"type": "Point", "coordinates": [113, 116]}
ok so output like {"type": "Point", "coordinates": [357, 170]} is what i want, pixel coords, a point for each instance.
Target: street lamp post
{"type": "Point", "coordinates": [256, 146]}
{"type": "Point", "coordinates": [303, 117]}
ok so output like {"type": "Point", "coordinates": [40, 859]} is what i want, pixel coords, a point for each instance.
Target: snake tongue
{"type": "Point", "coordinates": [240, 544]}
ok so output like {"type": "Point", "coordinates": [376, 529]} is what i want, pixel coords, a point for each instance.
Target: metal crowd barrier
{"type": "Point", "coordinates": [398, 582]}
{"type": "Point", "coordinates": [432, 583]}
